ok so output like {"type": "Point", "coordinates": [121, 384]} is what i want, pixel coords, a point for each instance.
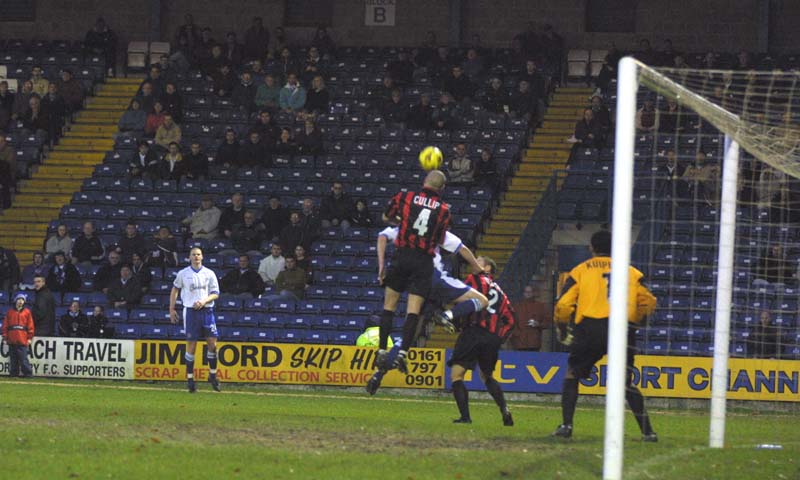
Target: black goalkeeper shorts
{"type": "Point", "coordinates": [590, 344]}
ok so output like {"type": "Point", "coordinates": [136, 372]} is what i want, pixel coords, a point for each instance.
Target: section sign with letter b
{"type": "Point", "coordinates": [379, 13]}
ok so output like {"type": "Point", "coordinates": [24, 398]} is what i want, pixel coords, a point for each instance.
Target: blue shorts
{"type": "Point", "coordinates": [199, 324]}
{"type": "Point", "coordinates": [445, 288]}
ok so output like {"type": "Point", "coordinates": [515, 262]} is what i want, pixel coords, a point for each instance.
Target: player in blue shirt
{"type": "Point", "coordinates": [198, 287]}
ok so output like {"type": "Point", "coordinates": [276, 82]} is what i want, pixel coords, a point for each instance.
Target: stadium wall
{"type": "Point", "coordinates": [350, 366]}
{"type": "Point", "coordinates": [691, 24]}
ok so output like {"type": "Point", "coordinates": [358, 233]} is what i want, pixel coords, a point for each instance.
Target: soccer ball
{"type": "Point", "coordinates": [430, 158]}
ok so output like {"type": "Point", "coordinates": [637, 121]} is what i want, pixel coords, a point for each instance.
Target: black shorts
{"type": "Point", "coordinates": [411, 271]}
{"type": "Point", "coordinates": [590, 344]}
{"type": "Point", "coordinates": [476, 345]}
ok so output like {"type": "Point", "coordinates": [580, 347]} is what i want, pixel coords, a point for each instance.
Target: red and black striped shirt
{"type": "Point", "coordinates": [423, 219]}
{"type": "Point", "coordinates": [498, 317]}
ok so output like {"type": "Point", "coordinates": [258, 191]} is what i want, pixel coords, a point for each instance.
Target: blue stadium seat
{"type": "Point", "coordinates": [155, 331]}
{"type": "Point", "coordinates": [125, 331]}
{"type": "Point", "coordinates": [140, 315]}
{"type": "Point", "coordinates": [289, 336]}
{"type": "Point", "coordinates": [315, 337]}
{"type": "Point", "coordinates": [326, 322]}
{"type": "Point", "coordinates": [343, 338]}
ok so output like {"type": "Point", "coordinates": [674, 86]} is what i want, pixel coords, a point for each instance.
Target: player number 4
{"type": "Point", "coordinates": [421, 224]}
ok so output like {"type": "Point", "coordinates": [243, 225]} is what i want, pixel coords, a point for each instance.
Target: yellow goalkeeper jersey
{"type": "Point", "coordinates": [585, 293]}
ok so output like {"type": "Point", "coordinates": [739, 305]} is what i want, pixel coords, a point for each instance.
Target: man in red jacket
{"type": "Point", "coordinates": [18, 333]}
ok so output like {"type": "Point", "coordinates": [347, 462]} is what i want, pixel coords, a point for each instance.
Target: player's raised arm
{"type": "Point", "coordinates": [469, 257]}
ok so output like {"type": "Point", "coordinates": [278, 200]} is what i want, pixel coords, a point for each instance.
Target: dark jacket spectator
{"type": "Point", "coordinates": [71, 90]}
{"type": "Point", "coordinates": [361, 216]}
{"type": "Point", "coordinates": [74, 323]}
{"type": "Point", "coordinates": [141, 272]}
{"type": "Point", "coordinates": [444, 115]}
{"type": "Point", "coordinates": [102, 40]}
{"type": "Point", "coordinates": [256, 41]}
{"type": "Point", "coordinates": [763, 339]}
{"type": "Point", "coordinates": [395, 110]}
{"type": "Point", "coordinates": [164, 250]}
{"type": "Point", "coordinates": [285, 146]}
{"type": "Point", "coordinates": [9, 270]}
{"type": "Point", "coordinates": [132, 241]}
{"type": "Point", "coordinates": [228, 150]}
{"type": "Point", "coordinates": [402, 69]}
{"type": "Point", "coordinates": [318, 98]}
{"type": "Point", "coordinates": [125, 291]}
{"type": "Point", "coordinates": [253, 152]}
{"type": "Point", "coordinates": [267, 131]}
{"type": "Point", "coordinates": [172, 102]}
{"type": "Point", "coordinates": [323, 42]}
{"type": "Point", "coordinates": [244, 93]}
{"type": "Point", "coordinates": [196, 163]}
{"type": "Point", "coordinates": [774, 267]}
{"type": "Point", "coordinates": [523, 102]}
{"type": "Point", "coordinates": [309, 140]}
{"type": "Point", "coordinates": [232, 51]}
{"type": "Point", "coordinates": [420, 115]}
{"type": "Point", "coordinates": [107, 272]}
{"type": "Point", "coordinates": [242, 280]}
{"type": "Point", "coordinates": [588, 131]}
{"type": "Point", "coordinates": [496, 98]}
{"type": "Point", "coordinates": [44, 310]}
{"type": "Point", "coordinates": [293, 234]}
{"type": "Point", "coordinates": [336, 207]}
{"type": "Point", "coordinates": [63, 276]}
{"type": "Point", "coordinates": [310, 221]}
{"type": "Point", "coordinates": [35, 118]}
{"type": "Point", "coordinates": [22, 100]}
{"type": "Point", "coordinates": [535, 79]}
{"type": "Point", "coordinates": [458, 85]}
{"type": "Point", "coordinates": [55, 108]}
{"type": "Point", "coordinates": [224, 81]}
{"type": "Point", "coordinates": [232, 215]}
{"type": "Point", "coordinates": [143, 162]}
{"type": "Point", "coordinates": [246, 236]}
{"type": "Point", "coordinates": [486, 169]}
{"type": "Point", "coordinates": [312, 67]}
{"type": "Point", "coordinates": [87, 246]}
{"type": "Point", "coordinates": [274, 218]}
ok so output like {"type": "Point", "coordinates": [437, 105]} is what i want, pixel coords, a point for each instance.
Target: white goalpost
{"type": "Point", "coordinates": [627, 87]}
{"type": "Point", "coordinates": [766, 127]}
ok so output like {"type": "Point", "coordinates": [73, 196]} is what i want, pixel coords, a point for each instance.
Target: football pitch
{"type": "Point", "coordinates": [80, 429]}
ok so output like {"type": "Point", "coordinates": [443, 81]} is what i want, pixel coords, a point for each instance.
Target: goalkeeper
{"type": "Point", "coordinates": [585, 298]}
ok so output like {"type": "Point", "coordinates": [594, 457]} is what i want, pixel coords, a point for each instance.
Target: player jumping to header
{"type": "Point", "coordinates": [445, 289]}
{"type": "Point", "coordinates": [199, 288]}
{"type": "Point", "coordinates": [422, 219]}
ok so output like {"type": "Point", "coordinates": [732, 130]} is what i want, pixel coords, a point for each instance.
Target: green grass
{"type": "Point", "coordinates": [70, 429]}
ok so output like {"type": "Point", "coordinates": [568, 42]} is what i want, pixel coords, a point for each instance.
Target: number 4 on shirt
{"type": "Point", "coordinates": [421, 224]}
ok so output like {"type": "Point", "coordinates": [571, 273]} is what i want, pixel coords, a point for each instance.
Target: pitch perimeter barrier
{"type": "Point", "coordinates": [656, 376]}
{"type": "Point", "coordinates": [525, 372]}
{"type": "Point", "coordinates": [76, 358]}
{"type": "Point", "coordinates": [287, 364]}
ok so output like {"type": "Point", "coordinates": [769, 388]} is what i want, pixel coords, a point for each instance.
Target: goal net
{"type": "Point", "coordinates": [706, 192]}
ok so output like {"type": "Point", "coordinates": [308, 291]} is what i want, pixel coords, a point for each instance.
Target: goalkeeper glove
{"type": "Point", "coordinates": [565, 336]}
